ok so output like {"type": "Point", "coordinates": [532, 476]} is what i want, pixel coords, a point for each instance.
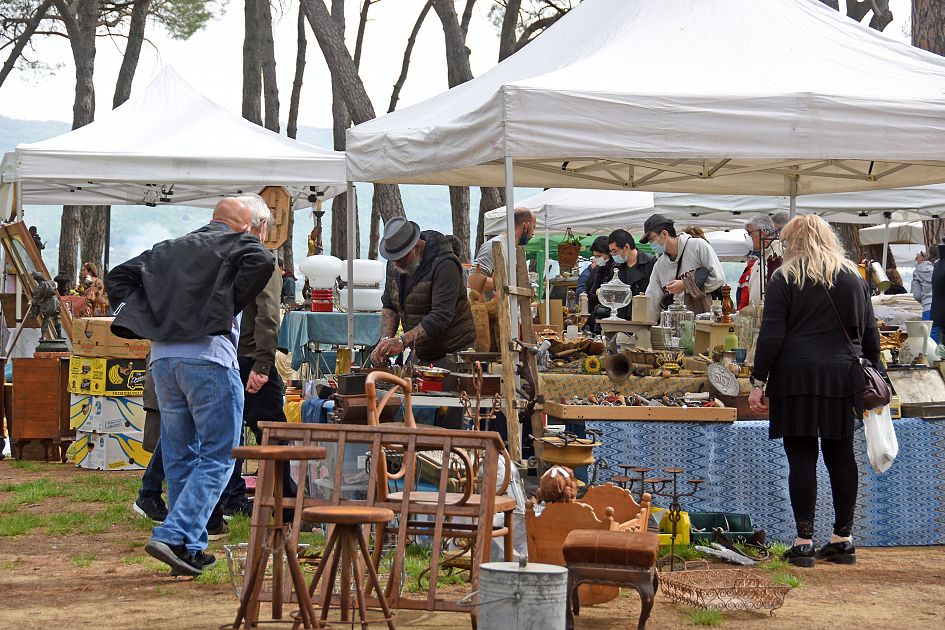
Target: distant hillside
{"type": "Point", "coordinates": [135, 228]}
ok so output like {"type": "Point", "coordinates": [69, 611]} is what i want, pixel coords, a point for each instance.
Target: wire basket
{"type": "Point", "coordinates": [236, 565]}
{"type": "Point", "coordinates": [724, 589]}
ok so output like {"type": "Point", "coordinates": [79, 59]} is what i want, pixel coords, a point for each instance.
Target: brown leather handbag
{"type": "Point", "coordinates": [876, 392]}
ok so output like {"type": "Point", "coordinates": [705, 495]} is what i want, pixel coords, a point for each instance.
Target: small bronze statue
{"type": "Point", "coordinates": [40, 245]}
{"type": "Point", "coordinates": [45, 304]}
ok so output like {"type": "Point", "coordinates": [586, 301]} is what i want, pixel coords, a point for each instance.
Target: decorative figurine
{"type": "Point", "coordinates": [45, 305]}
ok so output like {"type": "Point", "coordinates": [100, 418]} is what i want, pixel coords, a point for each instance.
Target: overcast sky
{"type": "Point", "coordinates": [211, 61]}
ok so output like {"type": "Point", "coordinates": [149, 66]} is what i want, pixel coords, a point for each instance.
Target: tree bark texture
{"type": "Point", "coordinates": [374, 238]}
{"type": "Point", "coordinates": [457, 55]}
{"type": "Point", "coordinates": [34, 21]}
{"type": "Point", "coordinates": [928, 33]}
{"type": "Point", "coordinates": [507, 39]}
{"type": "Point", "coordinates": [489, 199]}
{"type": "Point", "coordinates": [331, 41]}
{"type": "Point", "coordinates": [833, 4]}
{"type": "Point", "coordinates": [849, 234]}
{"type": "Point", "coordinates": [252, 66]}
{"type": "Point", "coordinates": [459, 203]}
{"type": "Point", "coordinates": [292, 126]}
{"type": "Point", "coordinates": [408, 51]}
{"type": "Point", "coordinates": [340, 123]}
{"type": "Point", "coordinates": [129, 62]}
{"type": "Point", "coordinates": [267, 61]}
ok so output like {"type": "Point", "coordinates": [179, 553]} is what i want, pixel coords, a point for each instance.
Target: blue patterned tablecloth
{"type": "Point", "coordinates": [746, 472]}
{"type": "Point", "coordinates": [301, 327]}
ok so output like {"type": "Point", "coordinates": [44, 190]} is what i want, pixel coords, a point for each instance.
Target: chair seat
{"type": "Point", "coordinates": [630, 549]}
{"type": "Point", "coordinates": [502, 504]}
{"type": "Point", "coordinates": [279, 453]}
{"type": "Point", "coordinates": [347, 514]}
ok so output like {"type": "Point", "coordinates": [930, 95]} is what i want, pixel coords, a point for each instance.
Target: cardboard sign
{"type": "Point", "coordinates": [92, 337]}
{"type": "Point", "coordinates": [106, 377]}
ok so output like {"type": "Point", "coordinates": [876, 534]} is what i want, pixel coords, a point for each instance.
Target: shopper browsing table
{"type": "Point", "coordinates": [813, 377]}
{"type": "Point", "coordinates": [633, 267]}
{"type": "Point", "coordinates": [480, 279]}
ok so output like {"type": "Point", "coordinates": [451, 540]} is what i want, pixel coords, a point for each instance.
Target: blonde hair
{"type": "Point", "coordinates": [812, 252]}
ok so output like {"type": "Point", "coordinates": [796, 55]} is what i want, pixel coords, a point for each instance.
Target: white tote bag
{"type": "Point", "coordinates": [881, 444]}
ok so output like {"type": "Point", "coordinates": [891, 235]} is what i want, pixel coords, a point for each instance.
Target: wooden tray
{"type": "Point", "coordinates": [637, 414]}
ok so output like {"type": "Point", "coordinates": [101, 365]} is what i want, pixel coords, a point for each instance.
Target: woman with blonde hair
{"type": "Point", "coordinates": [818, 322]}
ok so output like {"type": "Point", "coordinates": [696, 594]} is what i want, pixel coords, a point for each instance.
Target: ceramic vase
{"type": "Point", "coordinates": [919, 343]}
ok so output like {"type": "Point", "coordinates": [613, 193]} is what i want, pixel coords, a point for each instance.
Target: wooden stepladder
{"type": "Point", "coordinates": [517, 352]}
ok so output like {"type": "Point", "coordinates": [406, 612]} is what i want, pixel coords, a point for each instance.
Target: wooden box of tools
{"type": "Point", "coordinates": [581, 413]}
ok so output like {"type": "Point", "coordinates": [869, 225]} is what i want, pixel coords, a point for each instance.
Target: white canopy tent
{"type": "Point", "coordinates": [765, 97]}
{"type": "Point", "coordinates": [166, 145]}
{"type": "Point", "coordinates": [894, 234]}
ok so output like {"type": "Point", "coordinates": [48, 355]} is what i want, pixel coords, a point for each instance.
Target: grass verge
{"type": "Point", "coordinates": [706, 618]}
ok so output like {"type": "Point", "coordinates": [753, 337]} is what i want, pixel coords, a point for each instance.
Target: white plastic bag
{"type": "Point", "coordinates": [881, 444]}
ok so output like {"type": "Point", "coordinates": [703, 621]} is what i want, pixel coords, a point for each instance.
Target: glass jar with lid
{"type": "Point", "coordinates": [681, 323]}
{"type": "Point", "coordinates": [614, 295]}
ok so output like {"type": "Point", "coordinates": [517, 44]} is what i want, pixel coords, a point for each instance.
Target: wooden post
{"type": "Point", "coordinates": [509, 357]}
{"type": "Point", "coordinates": [530, 361]}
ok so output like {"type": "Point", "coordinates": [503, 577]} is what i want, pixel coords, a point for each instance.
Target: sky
{"type": "Point", "coordinates": [211, 61]}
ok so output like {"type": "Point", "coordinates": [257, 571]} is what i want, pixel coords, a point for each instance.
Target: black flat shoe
{"type": "Point", "coordinates": [800, 556]}
{"type": "Point", "coordinates": [839, 552]}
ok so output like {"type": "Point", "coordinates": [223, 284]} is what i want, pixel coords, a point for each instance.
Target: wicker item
{"type": "Point", "coordinates": [724, 589]}
{"type": "Point", "coordinates": [568, 251]}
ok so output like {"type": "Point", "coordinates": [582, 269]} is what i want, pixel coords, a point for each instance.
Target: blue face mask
{"type": "Point", "coordinates": [619, 259]}
{"type": "Point", "coordinates": [524, 240]}
{"type": "Point", "coordinates": [658, 249]}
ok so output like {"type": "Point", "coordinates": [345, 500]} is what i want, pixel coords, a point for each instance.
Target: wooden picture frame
{"type": "Point", "coordinates": [24, 256]}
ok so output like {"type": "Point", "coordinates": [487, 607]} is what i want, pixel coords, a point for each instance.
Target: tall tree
{"type": "Point", "coordinates": [267, 61]}
{"type": "Point", "coordinates": [928, 32]}
{"type": "Point", "coordinates": [292, 125]}
{"type": "Point", "coordinates": [340, 123]}
{"type": "Point", "coordinates": [252, 66]}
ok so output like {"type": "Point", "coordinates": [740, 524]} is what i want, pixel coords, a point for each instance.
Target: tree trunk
{"type": "Point", "coordinates": [489, 199]}
{"type": "Point", "coordinates": [267, 60]}
{"type": "Point", "coordinates": [459, 202]}
{"type": "Point", "coordinates": [129, 62]}
{"type": "Point", "coordinates": [399, 84]}
{"type": "Point", "coordinates": [331, 41]}
{"type": "Point", "coordinates": [252, 69]}
{"type": "Point", "coordinates": [292, 127]}
{"type": "Point", "coordinates": [928, 32]}
{"type": "Point", "coordinates": [507, 38]}
{"type": "Point", "coordinates": [374, 238]}
{"type": "Point", "coordinates": [833, 4]}
{"type": "Point", "coordinates": [849, 234]}
{"type": "Point", "coordinates": [34, 21]}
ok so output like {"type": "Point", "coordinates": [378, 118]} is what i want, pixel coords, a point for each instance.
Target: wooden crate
{"type": "Point", "coordinates": [40, 406]}
{"type": "Point", "coordinates": [582, 413]}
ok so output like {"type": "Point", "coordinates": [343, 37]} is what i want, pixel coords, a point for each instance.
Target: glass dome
{"type": "Point", "coordinates": [614, 295]}
{"type": "Point", "coordinates": [680, 321]}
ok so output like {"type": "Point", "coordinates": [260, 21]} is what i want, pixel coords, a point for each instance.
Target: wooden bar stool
{"type": "Point", "coordinates": [347, 545]}
{"type": "Point", "coordinates": [275, 542]}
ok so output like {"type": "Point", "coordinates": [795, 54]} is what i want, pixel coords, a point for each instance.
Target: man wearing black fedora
{"type": "Point", "coordinates": [425, 293]}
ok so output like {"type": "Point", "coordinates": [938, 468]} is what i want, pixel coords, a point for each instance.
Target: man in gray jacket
{"type": "Point", "coordinates": [922, 284]}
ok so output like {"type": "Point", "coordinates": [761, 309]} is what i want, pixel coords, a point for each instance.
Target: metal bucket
{"type": "Point", "coordinates": [532, 597]}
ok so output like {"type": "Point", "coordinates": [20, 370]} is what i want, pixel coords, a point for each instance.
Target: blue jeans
{"type": "Point", "coordinates": [201, 413]}
{"type": "Point", "coordinates": [936, 332]}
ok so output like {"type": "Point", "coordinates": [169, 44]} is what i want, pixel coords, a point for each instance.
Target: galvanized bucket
{"type": "Point", "coordinates": [529, 597]}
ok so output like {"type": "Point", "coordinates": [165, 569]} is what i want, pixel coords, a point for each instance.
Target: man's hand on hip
{"type": "Point", "coordinates": [256, 382]}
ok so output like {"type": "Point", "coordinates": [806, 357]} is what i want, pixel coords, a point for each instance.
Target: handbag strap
{"type": "Point", "coordinates": [679, 260]}
{"type": "Point", "coordinates": [840, 321]}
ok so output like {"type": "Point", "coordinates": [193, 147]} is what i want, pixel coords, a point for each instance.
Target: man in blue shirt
{"type": "Point", "coordinates": [185, 295]}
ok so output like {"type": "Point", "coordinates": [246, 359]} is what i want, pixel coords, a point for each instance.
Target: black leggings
{"type": "Point", "coordinates": [802, 481]}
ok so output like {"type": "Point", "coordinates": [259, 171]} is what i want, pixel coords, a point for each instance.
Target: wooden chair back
{"type": "Point", "coordinates": [374, 408]}
{"type": "Point", "coordinates": [608, 495]}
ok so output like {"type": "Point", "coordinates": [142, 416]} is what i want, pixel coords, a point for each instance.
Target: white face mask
{"type": "Point", "coordinates": [600, 261]}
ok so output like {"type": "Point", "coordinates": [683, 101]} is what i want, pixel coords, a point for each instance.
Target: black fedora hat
{"type": "Point", "coordinates": [400, 236]}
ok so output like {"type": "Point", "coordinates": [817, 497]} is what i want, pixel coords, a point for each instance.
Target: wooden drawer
{"type": "Point", "coordinates": [40, 403]}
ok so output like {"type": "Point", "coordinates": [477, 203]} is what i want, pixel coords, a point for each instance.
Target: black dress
{"type": "Point", "coordinates": [814, 381]}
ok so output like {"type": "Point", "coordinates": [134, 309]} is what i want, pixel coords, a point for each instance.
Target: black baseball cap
{"type": "Point", "coordinates": [653, 224]}
{"type": "Point", "coordinates": [600, 245]}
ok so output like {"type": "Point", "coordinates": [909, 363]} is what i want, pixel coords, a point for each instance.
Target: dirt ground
{"type": "Point", "coordinates": [104, 580]}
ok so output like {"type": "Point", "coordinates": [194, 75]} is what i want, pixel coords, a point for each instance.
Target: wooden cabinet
{"type": "Point", "coordinates": [40, 409]}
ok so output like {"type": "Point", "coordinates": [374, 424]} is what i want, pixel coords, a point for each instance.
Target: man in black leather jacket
{"type": "Point", "coordinates": [185, 295]}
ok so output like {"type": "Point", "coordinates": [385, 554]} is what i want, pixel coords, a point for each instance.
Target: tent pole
{"type": "Point", "coordinates": [547, 279]}
{"type": "Point", "coordinates": [792, 190]}
{"type": "Point", "coordinates": [18, 206]}
{"type": "Point", "coordinates": [887, 216]}
{"type": "Point", "coordinates": [352, 230]}
{"type": "Point", "coordinates": [510, 244]}
{"type": "Point", "coordinates": [108, 237]}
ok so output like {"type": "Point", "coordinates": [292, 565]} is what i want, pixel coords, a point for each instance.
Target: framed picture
{"type": "Point", "coordinates": [24, 257]}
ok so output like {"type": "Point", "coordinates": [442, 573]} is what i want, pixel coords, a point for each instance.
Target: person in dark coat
{"type": "Point", "coordinates": [813, 377]}
{"type": "Point", "coordinates": [937, 309]}
{"type": "Point", "coordinates": [633, 267]}
{"type": "Point", "coordinates": [602, 272]}
{"type": "Point", "coordinates": [895, 283]}
{"type": "Point", "coordinates": [425, 293]}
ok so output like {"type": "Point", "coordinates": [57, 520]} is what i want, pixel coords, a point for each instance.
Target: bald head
{"type": "Point", "coordinates": [236, 215]}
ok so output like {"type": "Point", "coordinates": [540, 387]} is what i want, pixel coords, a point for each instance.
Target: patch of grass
{"type": "Point", "coordinates": [132, 560]}
{"type": "Point", "coordinates": [9, 506]}
{"type": "Point", "coordinates": [160, 590]}
{"type": "Point", "coordinates": [778, 548]}
{"type": "Point", "coordinates": [706, 618]}
{"type": "Point", "coordinates": [8, 487]}
{"type": "Point", "coordinates": [67, 523]}
{"type": "Point", "coordinates": [217, 574]}
{"type": "Point", "coordinates": [84, 559]}
{"type": "Point", "coordinates": [417, 562]}
{"type": "Point", "coordinates": [9, 565]}
{"type": "Point", "coordinates": [686, 552]}
{"type": "Point", "coordinates": [776, 564]}
{"type": "Point", "coordinates": [38, 490]}
{"type": "Point", "coordinates": [134, 544]}
{"type": "Point", "coordinates": [787, 579]}
{"type": "Point", "coordinates": [29, 466]}
{"type": "Point", "coordinates": [18, 524]}
{"type": "Point", "coordinates": [239, 530]}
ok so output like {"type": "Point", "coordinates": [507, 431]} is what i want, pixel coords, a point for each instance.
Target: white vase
{"type": "Point", "coordinates": [919, 343]}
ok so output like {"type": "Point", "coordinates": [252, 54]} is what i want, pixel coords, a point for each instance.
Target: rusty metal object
{"type": "Point", "coordinates": [724, 589]}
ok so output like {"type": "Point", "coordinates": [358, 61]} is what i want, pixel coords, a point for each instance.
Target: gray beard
{"type": "Point", "coordinates": [409, 270]}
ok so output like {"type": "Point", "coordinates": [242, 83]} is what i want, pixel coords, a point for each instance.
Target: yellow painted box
{"type": "Point", "coordinates": [109, 451]}
{"type": "Point", "coordinates": [106, 377]}
{"type": "Point", "coordinates": [106, 414]}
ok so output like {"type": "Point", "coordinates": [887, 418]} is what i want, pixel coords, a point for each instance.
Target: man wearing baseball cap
{"type": "Point", "coordinates": [424, 292]}
{"type": "Point", "coordinates": [677, 256]}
